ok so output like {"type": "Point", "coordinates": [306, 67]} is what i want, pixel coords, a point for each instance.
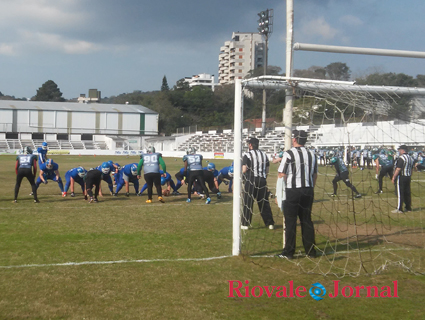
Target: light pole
{"type": "Point", "coordinates": [265, 27]}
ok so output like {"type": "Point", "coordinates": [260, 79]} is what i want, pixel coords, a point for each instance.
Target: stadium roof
{"type": "Point", "coordinates": [73, 106]}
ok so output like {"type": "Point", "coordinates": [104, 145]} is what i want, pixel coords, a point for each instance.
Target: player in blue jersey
{"type": "Point", "coordinates": [42, 153]}
{"type": "Point", "coordinates": [74, 175]}
{"type": "Point", "coordinates": [50, 171]}
{"type": "Point", "coordinates": [342, 175]}
{"type": "Point", "coordinates": [165, 181]}
{"type": "Point", "coordinates": [181, 177]}
{"type": "Point", "coordinates": [125, 175]}
{"type": "Point", "coordinates": [26, 167]}
{"type": "Point", "coordinates": [150, 163]}
{"type": "Point", "coordinates": [386, 163]}
{"type": "Point", "coordinates": [225, 175]}
{"type": "Point", "coordinates": [194, 171]}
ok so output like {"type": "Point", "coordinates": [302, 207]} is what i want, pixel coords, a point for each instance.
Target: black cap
{"type": "Point", "coordinates": [299, 134]}
{"type": "Point", "coordinates": [253, 141]}
{"type": "Point", "coordinates": [403, 146]}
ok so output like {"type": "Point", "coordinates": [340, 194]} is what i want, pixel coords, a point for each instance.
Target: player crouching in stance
{"type": "Point", "coordinates": [26, 166]}
{"type": "Point", "coordinates": [92, 180]}
{"type": "Point", "coordinates": [151, 162]}
{"type": "Point", "coordinates": [49, 171]}
{"type": "Point", "coordinates": [194, 171]}
{"type": "Point", "coordinates": [74, 175]}
{"type": "Point", "coordinates": [125, 175]}
{"type": "Point", "coordinates": [342, 174]}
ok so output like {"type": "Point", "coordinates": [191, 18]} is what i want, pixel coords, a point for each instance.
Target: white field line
{"type": "Point", "coordinates": [65, 264]}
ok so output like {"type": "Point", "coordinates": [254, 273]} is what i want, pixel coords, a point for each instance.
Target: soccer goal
{"type": "Point", "coordinates": [354, 122]}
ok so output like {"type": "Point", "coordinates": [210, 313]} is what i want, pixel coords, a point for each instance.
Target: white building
{"type": "Point", "coordinates": [202, 79]}
{"type": "Point", "coordinates": [245, 52]}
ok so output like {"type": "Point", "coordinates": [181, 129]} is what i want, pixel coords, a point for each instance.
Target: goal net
{"type": "Point", "coordinates": [356, 124]}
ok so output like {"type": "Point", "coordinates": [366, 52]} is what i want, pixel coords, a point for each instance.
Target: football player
{"type": "Point", "coordinates": [225, 175]}
{"type": "Point", "coordinates": [193, 169]}
{"type": "Point", "coordinates": [26, 166]}
{"type": "Point", "coordinates": [125, 175]}
{"type": "Point", "coordinates": [50, 171]}
{"type": "Point", "coordinates": [106, 168]}
{"type": "Point", "coordinates": [42, 153]}
{"type": "Point", "coordinates": [386, 163]}
{"type": "Point", "coordinates": [74, 175]}
{"type": "Point", "coordinates": [342, 174]}
{"type": "Point", "coordinates": [151, 162]}
{"type": "Point", "coordinates": [93, 179]}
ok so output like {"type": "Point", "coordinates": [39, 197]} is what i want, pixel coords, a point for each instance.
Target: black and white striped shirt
{"type": "Point", "coordinates": [405, 163]}
{"type": "Point", "coordinates": [257, 164]}
{"type": "Point", "coordinates": [299, 165]}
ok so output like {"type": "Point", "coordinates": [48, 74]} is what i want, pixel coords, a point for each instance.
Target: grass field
{"type": "Point", "coordinates": [124, 259]}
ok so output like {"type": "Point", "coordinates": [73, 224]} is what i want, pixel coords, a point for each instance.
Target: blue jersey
{"type": "Point", "coordinates": [194, 161]}
{"type": "Point", "coordinates": [42, 155]}
{"type": "Point", "coordinates": [224, 173]}
{"type": "Point", "coordinates": [73, 173]}
{"type": "Point", "coordinates": [51, 171]}
{"type": "Point", "coordinates": [215, 171]}
{"type": "Point", "coordinates": [166, 178]}
{"type": "Point", "coordinates": [127, 169]}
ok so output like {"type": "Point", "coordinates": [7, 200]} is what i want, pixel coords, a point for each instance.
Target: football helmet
{"type": "Point", "coordinates": [49, 164]}
{"type": "Point", "coordinates": [163, 181]}
{"type": "Point", "coordinates": [282, 147]}
{"type": "Point", "coordinates": [190, 150]}
{"type": "Point", "coordinates": [211, 166]}
{"type": "Point", "coordinates": [105, 168]}
{"type": "Point", "coordinates": [81, 172]}
{"type": "Point", "coordinates": [134, 170]}
{"type": "Point", "coordinates": [26, 150]}
{"type": "Point", "coordinates": [151, 149]}
{"type": "Point", "coordinates": [44, 146]}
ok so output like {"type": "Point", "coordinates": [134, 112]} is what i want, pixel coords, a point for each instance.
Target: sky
{"type": "Point", "coordinates": [119, 46]}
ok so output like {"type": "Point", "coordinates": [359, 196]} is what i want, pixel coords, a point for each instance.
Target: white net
{"type": "Point", "coordinates": [353, 235]}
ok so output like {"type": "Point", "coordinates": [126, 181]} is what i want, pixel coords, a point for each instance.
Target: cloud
{"type": "Point", "coordinates": [351, 21]}
{"type": "Point", "coordinates": [318, 27]}
{"type": "Point", "coordinates": [6, 49]}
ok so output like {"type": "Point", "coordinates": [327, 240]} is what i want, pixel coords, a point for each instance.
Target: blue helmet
{"type": "Point", "coordinates": [163, 181]}
{"type": "Point", "coordinates": [134, 169]}
{"type": "Point", "coordinates": [230, 172]}
{"type": "Point", "coordinates": [106, 168]}
{"type": "Point", "coordinates": [44, 145]}
{"type": "Point", "coordinates": [49, 164]}
{"type": "Point", "coordinates": [81, 172]}
{"type": "Point", "coordinates": [211, 166]}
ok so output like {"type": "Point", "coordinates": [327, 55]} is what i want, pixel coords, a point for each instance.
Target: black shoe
{"type": "Point", "coordinates": [72, 194]}
{"type": "Point", "coordinates": [286, 255]}
{"type": "Point", "coordinates": [379, 191]}
{"type": "Point", "coordinates": [115, 194]}
{"type": "Point", "coordinates": [127, 194]}
{"type": "Point", "coordinates": [311, 254]}
{"type": "Point", "coordinates": [36, 201]}
{"type": "Point", "coordinates": [333, 195]}
{"type": "Point", "coordinates": [95, 200]}
{"type": "Point", "coordinates": [358, 195]}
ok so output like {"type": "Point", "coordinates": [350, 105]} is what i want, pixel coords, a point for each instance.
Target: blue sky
{"type": "Point", "coordinates": [119, 46]}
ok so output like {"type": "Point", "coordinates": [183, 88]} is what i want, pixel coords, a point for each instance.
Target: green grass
{"type": "Point", "coordinates": [160, 253]}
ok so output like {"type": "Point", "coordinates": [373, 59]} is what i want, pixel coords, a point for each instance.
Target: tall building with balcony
{"type": "Point", "coordinates": [245, 52]}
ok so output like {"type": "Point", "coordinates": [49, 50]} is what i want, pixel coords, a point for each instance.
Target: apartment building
{"type": "Point", "coordinates": [237, 57]}
{"type": "Point", "coordinates": [202, 79]}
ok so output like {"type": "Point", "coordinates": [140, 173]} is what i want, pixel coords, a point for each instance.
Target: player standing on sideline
{"type": "Point", "coordinates": [226, 173]}
{"type": "Point", "coordinates": [26, 166]}
{"type": "Point", "coordinates": [74, 175]}
{"type": "Point", "coordinates": [299, 170]}
{"type": "Point", "coordinates": [402, 178]}
{"type": "Point", "coordinates": [93, 179]}
{"type": "Point", "coordinates": [342, 174]}
{"type": "Point", "coordinates": [125, 175]}
{"type": "Point", "coordinates": [193, 170]}
{"type": "Point", "coordinates": [255, 168]}
{"type": "Point", "coordinates": [50, 171]}
{"type": "Point", "coordinates": [386, 164]}
{"type": "Point", "coordinates": [42, 153]}
{"type": "Point", "coordinates": [151, 161]}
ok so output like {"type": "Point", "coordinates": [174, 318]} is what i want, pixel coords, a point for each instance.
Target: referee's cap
{"type": "Point", "coordinates": [300, 135]}
{"type": "Point", "coordinates": [253, 141]}
{"type": "Point", "coordinates": [403, 146]}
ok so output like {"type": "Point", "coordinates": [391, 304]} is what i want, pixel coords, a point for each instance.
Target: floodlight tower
{"type": "Point", "coordinates": [265, 27]}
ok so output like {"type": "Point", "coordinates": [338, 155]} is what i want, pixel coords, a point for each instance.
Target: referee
{"type": "Point", "coordinates": [401, 178]}
{"type": "Point", "coordinates": [299, 170]}
{"type": "Point", "coordinates": [255, 167]}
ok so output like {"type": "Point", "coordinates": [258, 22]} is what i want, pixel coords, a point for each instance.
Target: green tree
{"type": "Point", "coordinates": [338, 71]}
{"type": "Point", "coordinates": [49, 91]}
{"type": "Point", "coordinates": [181, 84]}
{"type": "Point", "coordinates": [164, 86]}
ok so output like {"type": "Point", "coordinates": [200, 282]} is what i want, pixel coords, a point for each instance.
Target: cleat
{"type": "Point", "coordinates": [218, 195]}
{"type": "Point", "coordinates": [188, 200]}
{"type": "Point", "coordinates": [226, 182]}
{"type": "Point", "coordinates": [333, 195]}
{"type": "Point", "coordinates": [64, 194]}
{"type": "Point", "coordinates": [208, 200]}
{"type": "Point", "coordinates": [91, 200]}
{"type": "Point", "coordinates": [95, 200]}
{"type": "Point", "coordinates": [32, 193]}
{"type": "Point", "coordinates": [127, 194]}
{"type": "Point", "coordinates": [15, 201]}
{"type": "Point", "coordinates": [149, 201]}
{"type": "Point", "coordinates": [379, 191]}
{"type": "Point", "coordinates": [175, 193]}
{"type": "Point", "coordinates": [397, 211]}
{"type": "Point", "coordinates": [85, 197]}
{"type": "Point", "coordinates": [271, 227]}
{"type": "Point", "coordinates": [285, 255]}
{"type": "Point", "coordinates": [358, 195]}
{"type": "Point", "coordinates": [201, 196]}
{"type": "Point", "coordinates": [36, 201]}
{"type": "Point", "coordinates": [139, 194]}
{"type": "Point", "coordinates": [115, 194]}
{"type": "Point", "coordinates": [244, 227]}
{"type": "Point", "coordinates": [160, 199]}
{"type": "Point", "coordinates": [72, 194]}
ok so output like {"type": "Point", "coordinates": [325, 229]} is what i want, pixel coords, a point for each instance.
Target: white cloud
{"type": "Point", "coordinates": [351, 20]}
{"type": "Point", "coordinates": [319, 27]}
{"type": "Point", "coordinates": [6, 49]}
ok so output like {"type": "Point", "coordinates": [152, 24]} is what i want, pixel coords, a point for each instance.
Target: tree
{"type": "Point", "coordinates": [49, 91]}
{"type": "Point", "coordinates": [271, 70]}
{"type": "Point", "coordinates": [338, 71]}
{"type": "Point", "coordinates": [314, 72]}
{"type": "Point", "coordinates": [182, 84]}
{"type": "Point", "coordinates": [164, 86]}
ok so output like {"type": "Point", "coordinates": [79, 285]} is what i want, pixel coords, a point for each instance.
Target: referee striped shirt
{"type": "Point", "coordinates": [299, 165]}
{"type": "Point", "coordinates": [405, 163]}
{"type": "Point", "coordinates": [257, 163]}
